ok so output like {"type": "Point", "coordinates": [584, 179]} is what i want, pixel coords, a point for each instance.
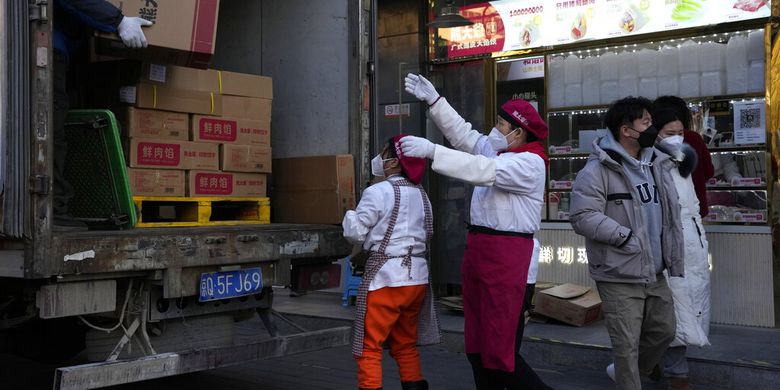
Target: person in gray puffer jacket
{"type": "Point", "coordinates": [625, 204]}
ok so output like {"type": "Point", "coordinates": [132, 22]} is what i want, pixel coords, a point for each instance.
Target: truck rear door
{"type": "Point", "coordinates": [15, 129]}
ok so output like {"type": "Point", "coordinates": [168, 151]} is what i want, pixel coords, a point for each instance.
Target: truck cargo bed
{"type": "Point", "coordinates": [101, 252]}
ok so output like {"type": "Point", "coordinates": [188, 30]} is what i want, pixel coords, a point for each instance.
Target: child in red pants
{"type": "Point", "coordinates": [393, 222]}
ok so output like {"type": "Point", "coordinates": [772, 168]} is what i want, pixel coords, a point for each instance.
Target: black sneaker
{"type": "Point", "coordinates": [66, 223]}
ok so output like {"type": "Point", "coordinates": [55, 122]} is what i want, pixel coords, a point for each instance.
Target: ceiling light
{"type": "Point", "coordinates": [449, 16]}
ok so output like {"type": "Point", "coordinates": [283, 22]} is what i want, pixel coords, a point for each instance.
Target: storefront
{"type": "Point", "coordinates": [572, 58]}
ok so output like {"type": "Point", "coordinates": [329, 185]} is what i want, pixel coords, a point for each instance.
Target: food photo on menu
{"type": "Point", "coordinates": [634, 17]}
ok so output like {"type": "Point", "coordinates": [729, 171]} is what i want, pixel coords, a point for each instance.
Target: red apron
{"type": "Point", "coordinates": [494, 273]}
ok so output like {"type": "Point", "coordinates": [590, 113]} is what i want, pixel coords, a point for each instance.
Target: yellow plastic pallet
{"type": "Point", "coordinates": [155, 212]}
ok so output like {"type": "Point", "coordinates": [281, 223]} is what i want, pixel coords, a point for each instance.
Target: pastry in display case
{"type": "Point", "coordinates": [570, 143]}
{"type": "Point", "coordinates": [735, 133]}
{"type": "Point", "coordinates": [573, 132]}
{"type": "Point", "coordinates": [558, 206]}
{"type": "Point", "coordinates": [563, 171]}
{"type": "Point", "coordinates": [738, 169]}
{"type": "Point", "coordinates": [737, 206]}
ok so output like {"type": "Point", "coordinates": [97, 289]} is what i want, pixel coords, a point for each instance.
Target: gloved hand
{"type": "Point", "coordinates": [417, 147]}
{"type": "Point", "coordinates": [131, 33]}
{"type": "Point", "coordinates": [421, 88]}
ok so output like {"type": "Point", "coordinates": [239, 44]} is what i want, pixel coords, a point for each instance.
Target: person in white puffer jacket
{"type": "Point", "coordinates": [692, 293]}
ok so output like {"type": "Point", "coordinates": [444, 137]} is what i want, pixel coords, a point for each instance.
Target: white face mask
{"type": "Point", "coordinates": [674, 140]}
{"type": "Point", "coordinates": [498, 140]}
{"type": "Point", "coordinates": [378, 165]}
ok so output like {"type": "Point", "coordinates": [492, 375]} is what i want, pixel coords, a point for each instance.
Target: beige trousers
{"type": "Point", "coordinates": [641, 324]}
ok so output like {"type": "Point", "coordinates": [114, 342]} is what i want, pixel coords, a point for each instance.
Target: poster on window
{"type": "Point", "coordinates": [749, 120]}
{"type": "Point", "coordinates": [523, 22]}
{"type": "Point", "coordinates": [486, 35]}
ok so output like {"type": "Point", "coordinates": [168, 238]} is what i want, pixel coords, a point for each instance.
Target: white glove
{"type": "Point", "coordinates": [131, 33]}
{"type": "Point", "coordinates": [421, 88]}
{"type": "Point", "coordinates": [417, 147]}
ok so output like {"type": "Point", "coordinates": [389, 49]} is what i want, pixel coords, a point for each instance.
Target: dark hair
{"type": "Point", "coordinates": [663, 116]}
{"type": "Point", "coordinates": [530, 137]}
{"type": "Point", "coordinates": [624, 112]}
{"type": "Point", "coordinates": [391, 148]}
{"type": "Point", "coordinates": [514, 125]}
{"type": "Point", "coordinates": [679, 106]}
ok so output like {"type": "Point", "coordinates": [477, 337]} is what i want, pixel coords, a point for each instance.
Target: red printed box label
{"type": "Point", "coordinates": [213, 184]}
{"type": "Point", "coordinates": [213, 129]}
{"type": "Point", "coordinates": [159, 154]}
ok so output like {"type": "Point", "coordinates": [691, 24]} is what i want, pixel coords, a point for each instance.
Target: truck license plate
{"type": "Point", "coordinates": [223, 285]}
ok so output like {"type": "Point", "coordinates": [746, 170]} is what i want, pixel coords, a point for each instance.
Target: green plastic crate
{"type": "Point", "coordinates": [95, 167]}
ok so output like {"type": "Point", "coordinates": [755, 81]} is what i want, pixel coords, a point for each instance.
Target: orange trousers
{"type": "Point", "coordinates": [391, 315]}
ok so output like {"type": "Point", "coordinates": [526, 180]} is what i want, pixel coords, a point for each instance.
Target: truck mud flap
{"type": "Point", "coordinates": [96, 375]}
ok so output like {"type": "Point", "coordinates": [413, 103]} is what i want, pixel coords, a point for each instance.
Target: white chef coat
{"type": "Point", "coordinates": [368, 223]}
{"type": "Point", "coordinates": [510, 186]}
{"type": "Point", "coordinates": [533, 269]}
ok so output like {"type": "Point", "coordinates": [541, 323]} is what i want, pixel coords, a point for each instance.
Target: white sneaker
{"type": "Point", "coordinates": [611, 371]}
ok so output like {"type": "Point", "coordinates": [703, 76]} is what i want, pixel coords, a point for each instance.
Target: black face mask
{"type": "Point", "coordinates": [647, 137]}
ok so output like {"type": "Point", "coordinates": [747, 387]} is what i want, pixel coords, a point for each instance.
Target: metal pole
{"type": "Point", "coordinates": [400, 96]}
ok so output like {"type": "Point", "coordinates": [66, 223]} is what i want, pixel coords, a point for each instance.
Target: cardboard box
{"type": "Point", "coordinates": [160, 97]}
{"type": "Point", "coordinates": [171, 154]}
{"type": "Point", "coordinates": [248, 108]}
{"type": "Point", "coordinates": [570, 303]}
{"type": "Point", "coordinates": [230, 130]}
{"type": "Point", "coordinates": [245, 158]}
{"type": "Point", "coordinates": [140, 123]}
{"type": "Point", "coordinates": [241, 84]}
{"type": "Point", "coordinates": [313, 189]}
{"type": "Point", "coordinates": [226, 184]}
{"type": "Point", "coordinates": [184, 31]}
{"type": "Point", "coordinates": [181, 77]}
{"type": "Point", "coordinates": [157, 182]}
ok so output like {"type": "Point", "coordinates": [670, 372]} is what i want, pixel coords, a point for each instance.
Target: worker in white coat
{"type": "Point", "coordinates": [393, 222]}
{"type": "Point", "coordinates": [508, 169]}
{"type": "Point", "coordinates": [692, 293]}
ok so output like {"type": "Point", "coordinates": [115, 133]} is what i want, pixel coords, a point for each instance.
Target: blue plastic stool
{"type": "Point", "coordinates": [350, 282]}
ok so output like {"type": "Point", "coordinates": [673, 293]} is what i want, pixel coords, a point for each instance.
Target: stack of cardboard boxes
{"type": "Point", "coordinates": [196, 133]}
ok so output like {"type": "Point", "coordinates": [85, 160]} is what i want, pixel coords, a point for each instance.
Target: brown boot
{"type": "Point", "coordinates": [679, 383]}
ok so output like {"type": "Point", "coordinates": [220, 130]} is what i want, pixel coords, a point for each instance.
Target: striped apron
{"type": "Point", "coordinates": [428, 323]}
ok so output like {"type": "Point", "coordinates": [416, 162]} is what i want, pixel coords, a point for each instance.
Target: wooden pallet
{"type": "Point", "coordinates": [154, 212]}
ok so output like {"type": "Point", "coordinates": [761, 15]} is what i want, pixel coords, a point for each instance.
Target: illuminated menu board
{"type": "Point", "coordinates": [523, 24]}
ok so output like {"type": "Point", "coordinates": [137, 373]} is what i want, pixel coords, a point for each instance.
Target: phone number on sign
{"type": "Point", "coordinates": [526, 11]}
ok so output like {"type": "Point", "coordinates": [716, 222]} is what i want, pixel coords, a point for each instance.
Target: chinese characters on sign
{"type": "Point", "coordinates": [486, 35]}
{"type": "Point", "coordinates": [214, 184]}
{"type": "Point", "coordinates": [564, 255]}
{"type": "Point", "coordinates": [218, 129]}
{"type": "Point", "coordinates": [159, 154]}
{"type": "Point", "coordinates": [572, 4]}
{"type": "Point", "coordinates": [501, 26]}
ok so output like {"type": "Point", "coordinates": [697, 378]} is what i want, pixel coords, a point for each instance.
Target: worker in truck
{"type": "Point", "coordinates": [393, 222]}
{"type": "Point", "coordinates": [508, 169]}
{"type": "Point", "coordinates": [73, 20]}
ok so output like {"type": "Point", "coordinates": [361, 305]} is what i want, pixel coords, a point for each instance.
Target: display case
{"type": "Point", "coordinates": [736, 138]}
{"type": "Point", "coordinates": [720, 75]}
{"type": "Point", "coordinates": [734, 132]}
{"type": "Point", "coordinates": [572, 133]}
